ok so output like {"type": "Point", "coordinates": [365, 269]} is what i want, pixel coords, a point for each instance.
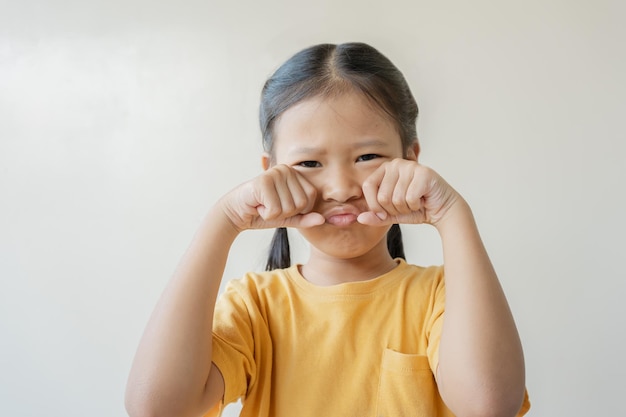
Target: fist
{"type": "Point", "coordinates": [279, 197]}
{"type": "Point", "coordinates": [403, 191]}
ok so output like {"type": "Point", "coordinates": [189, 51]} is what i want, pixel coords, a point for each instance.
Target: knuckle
{"type": "Point", "coordinates": [384, 198]}
{"type": "Point", "coordinates": [368, 185]}
{"type": "Point", "coordinates": [413, 200]}
{"type": "Point", "coordinates": [266, 181]}
{"type": "Point", "coordinates": [398, 200]}
{"type": "Point", "coordinates": [288, 206]}
{"type": "Point", "coordinates": [424, 171]}
{"type": "Point", "coordinates": [301, 203]}
{"type": "Point", "coordinates": [283, 169]}
{"type": "Point", "coordinates": [270, 213]}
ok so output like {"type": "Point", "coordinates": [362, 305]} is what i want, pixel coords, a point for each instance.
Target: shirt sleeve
{"type": "Point", "coordinates": [233, 344]}
{"type": "Point", "coordinates": [434, 322]}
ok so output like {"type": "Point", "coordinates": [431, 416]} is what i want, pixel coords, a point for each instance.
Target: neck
{"type": "Point", "coordinates": [325, 270]}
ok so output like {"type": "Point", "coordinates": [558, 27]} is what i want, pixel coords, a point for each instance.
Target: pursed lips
{"type": "Point", "coordinates": [342, 215]}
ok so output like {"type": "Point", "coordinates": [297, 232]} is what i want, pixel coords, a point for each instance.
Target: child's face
{"type": "Point", "coordinates": [336, 143]}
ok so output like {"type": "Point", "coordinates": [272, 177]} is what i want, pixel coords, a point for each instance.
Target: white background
{"type": "Point", "coordinates": [121, 122]}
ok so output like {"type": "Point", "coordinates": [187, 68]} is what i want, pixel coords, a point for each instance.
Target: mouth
{"type": "Point", "coordinates": [340, 220]}
{"type": "Point", "coordinates": [342, 216]}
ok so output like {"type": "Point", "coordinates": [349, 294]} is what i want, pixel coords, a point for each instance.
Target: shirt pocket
{"type": "Point", "coordinates": [406, 387]}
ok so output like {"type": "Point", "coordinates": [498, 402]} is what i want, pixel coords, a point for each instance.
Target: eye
{"type": "Point", "coordinates": [309, 164]}
{"type": "Point", "coordinates": [367, 157]}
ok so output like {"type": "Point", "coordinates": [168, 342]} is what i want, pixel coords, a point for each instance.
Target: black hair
{"type": "Point", "coordinates": [279, 255]}
{"type": "Point", "coordinates": [328, 70]}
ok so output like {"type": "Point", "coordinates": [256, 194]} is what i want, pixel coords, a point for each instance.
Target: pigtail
{"type": "Point", "coordinates": [279, 256]}
{"type": "Point", "coordinates": [394, 242]}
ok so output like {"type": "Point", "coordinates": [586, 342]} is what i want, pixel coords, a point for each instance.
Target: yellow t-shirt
{"type": "Point", "coordinates": [366, 348]}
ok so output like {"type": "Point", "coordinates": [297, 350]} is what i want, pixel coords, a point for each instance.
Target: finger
{"type": "Point", "coordinates": [399, 197]}
{"type": "Point", "coordinates": [303, 221]}
{"type": "Point", "coordinates": [304, 194]}
{"type": "Point", "coordinates": [286, 205]}
{"type": "Point", "coordinates": [369, 218]}
{"type": "Point", "coordinates": [422, 185]}
{"type": "Point", "coordinates": [266, 194]}
{"type": "Point", "coordinates": [370, 191]}
{"type": "Point", "coordinates": [289, 193]}
{"type": "Point", "coordinates": [415, 193]}
{"type": "Point", "coordinates": [310, 192]}
{"type": "Point", "coordinates": [285, 193]}
{"type": "Point", "coordinates": [386, 189]}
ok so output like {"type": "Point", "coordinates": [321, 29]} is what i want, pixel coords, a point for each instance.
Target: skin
{"type": "Point", "coordinates": [339, 175]}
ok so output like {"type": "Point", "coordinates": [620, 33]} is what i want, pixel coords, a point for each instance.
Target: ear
{"type": "Point", "coordinates": [266, 161]}
{"type": "Point", "coordinates": [413, 152]}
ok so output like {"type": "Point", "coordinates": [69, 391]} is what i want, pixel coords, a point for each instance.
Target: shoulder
{"type": "Point", "coordinates": [424, 283]}
{"type": "Point", "coordinates": [256, 299]}
{"type": "Point", "coordinates": [259, 281]}
{"type": "Point", "coordinates": [257, 287]}
{"type": "Point", "coordinates": [419, 275]}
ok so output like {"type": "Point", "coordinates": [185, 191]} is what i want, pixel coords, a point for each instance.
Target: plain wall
{"type": "Point", "coordinates": [121, 122]}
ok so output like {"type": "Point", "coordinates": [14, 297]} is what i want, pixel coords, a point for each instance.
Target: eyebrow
{"type": "Point", "coordinates": [310, 150]}
{"type": "Point", "coordinates": [304, 150]}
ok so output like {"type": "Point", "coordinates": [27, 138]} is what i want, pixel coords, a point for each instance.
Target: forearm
{"type": "Point", "coordinates": [173, 360]}
{"type": "Point", "coordinates": [481, 364]}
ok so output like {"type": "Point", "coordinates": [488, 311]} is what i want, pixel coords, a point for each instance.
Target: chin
{"type": "Point", "coordinates": [346, 243]}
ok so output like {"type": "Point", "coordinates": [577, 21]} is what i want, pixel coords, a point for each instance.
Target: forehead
{"type": "Point", "coordinates": [346, 117]}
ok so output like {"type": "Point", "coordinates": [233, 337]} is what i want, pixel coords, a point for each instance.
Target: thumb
{"type": "Point", "coordinates": [305, 220]}
{"type": "Point", "coordinates": [369, 218]}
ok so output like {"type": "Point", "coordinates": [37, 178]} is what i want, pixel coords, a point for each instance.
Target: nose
{"type": "Point", "coordinates": [341, 184]}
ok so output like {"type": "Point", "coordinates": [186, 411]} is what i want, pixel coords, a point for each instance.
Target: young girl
{"type": "Point", "coordinates": [356, 330]}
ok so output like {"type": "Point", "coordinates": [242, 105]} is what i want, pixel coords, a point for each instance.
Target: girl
{"type": "Point", "coordinates": [356, 331]}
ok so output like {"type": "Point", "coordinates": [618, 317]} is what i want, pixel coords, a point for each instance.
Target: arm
{"type": "Point", "coordinates": [481, 363]}
{"type": "Point", "coordinates": [172, 373]}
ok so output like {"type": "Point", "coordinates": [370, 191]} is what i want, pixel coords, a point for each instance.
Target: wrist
{"type": "Point", "coordinates": [459, 216]}
{"type": "Point", "coordinates": [221, 218]}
